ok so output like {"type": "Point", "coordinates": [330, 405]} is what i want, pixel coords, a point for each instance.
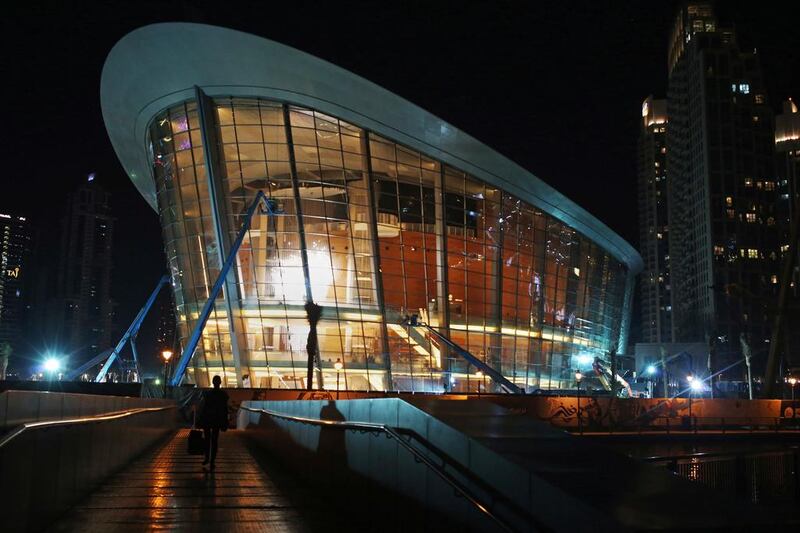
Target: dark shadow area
{"type": "Point", "coordinates": [332, 440]}
{"type": "Point", "coordinates": [331, 496]}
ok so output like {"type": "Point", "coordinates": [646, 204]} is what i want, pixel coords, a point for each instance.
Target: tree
{"type": "Point", "coordinates": [313, 315]}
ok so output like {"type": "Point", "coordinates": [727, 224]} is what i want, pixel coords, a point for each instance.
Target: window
{"type": "Point", "coordinates": [731, 213]}
{"type": "Point", "coordinates": [774, 279]}
{"type": "Point", "coordinates": [784, 248]}
{"type": "Point", "coordinates": [752, 253]}
{"type": "Point", "coordinates": [729, 201]}
{"type": "Point", "coordinates": [744, 88]}
{"type": "Point", "coordinates": [751, 217]}
{"type": "Point", "coordinates": [748, 182]}
{"type": "Point", "coordinates": [759, 98]}
{"type": "Point", "coordinates": [769, 185]}
{"type": "Point", "coordinates": [718, 250]}
{"type": "Point", "coordinates": [759, 185]}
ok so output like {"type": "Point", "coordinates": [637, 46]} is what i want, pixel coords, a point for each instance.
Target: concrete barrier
{"type": "Point", "coordinates": [45, 470]}
{"type": "Point", "coordinates": [507, 489]}
{"type": "Point", "coordinates": [19, 407]}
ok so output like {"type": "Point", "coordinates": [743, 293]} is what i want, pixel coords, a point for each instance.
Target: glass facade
{"type": "Point", "coordinates": [371, 231]}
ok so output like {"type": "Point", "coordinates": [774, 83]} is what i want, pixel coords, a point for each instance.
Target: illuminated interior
{"type": "Point", "coordinates": [388, 231]}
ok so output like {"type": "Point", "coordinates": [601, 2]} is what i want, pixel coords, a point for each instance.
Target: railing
{"type": "Point", "coordinates": [76, 421]}
{"type": "Point", "coordinates": [690, 424]}
{"type": "Point", "coordinates": [759, 476]}
{"type": "Point", "coordinates": [47, 467]}
{"type": "Point", "coordinates": [397, 435]}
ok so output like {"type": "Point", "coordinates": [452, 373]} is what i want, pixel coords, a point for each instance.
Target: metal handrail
{"type": "Point", "coordinates": [19, 430]}
{"type": "Point", "coordinates": [393, 433]}
{"type": "Point", "coordinates": [719, 455]}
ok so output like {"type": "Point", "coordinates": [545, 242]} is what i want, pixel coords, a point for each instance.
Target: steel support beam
{"type": "Point", "coordinates": [197, 332]}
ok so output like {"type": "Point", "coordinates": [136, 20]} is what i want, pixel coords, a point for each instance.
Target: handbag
{"type": "Point", "coordinates": [196, 441]}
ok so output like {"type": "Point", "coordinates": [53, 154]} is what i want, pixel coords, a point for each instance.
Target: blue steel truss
{"type": "Point", "coordinates": [268, 207]}
{"type": "Point", "coordinates": [130, 335]}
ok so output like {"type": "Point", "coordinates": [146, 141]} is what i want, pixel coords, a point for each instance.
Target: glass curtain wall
{"type": "Point", "coordinates": [388, 232]}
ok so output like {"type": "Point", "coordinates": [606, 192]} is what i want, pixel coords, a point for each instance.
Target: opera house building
{"type": "Point", "coordinates": [383, 210]}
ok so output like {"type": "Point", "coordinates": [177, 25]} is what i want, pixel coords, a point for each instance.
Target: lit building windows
{"type": "Point", "coordinates": [752, 253]}
{"type": "Point", "coordinates": [751, 217]}
{"type": "Point", "coordinates": [744, 88]}
{"type": "Point", "coordinates": [731, 213]}
{"type": "Point", "coordinates": [729, 201]}
{"type": "Point", "coordinates": [769, 185]}
{"type": "Point", "coordinates": [382, 224]}
{"type": "Point", "coordinates": [718, 250]}
{"type": "Point", "coordinates": [774, 279]}
{"type": "Point", "coordinates": [759, 98]}
{"type": "Point", "coordinates": [748, 182]}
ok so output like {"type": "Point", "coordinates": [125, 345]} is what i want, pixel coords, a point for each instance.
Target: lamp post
{"type": "Point", "coordinates": [479, 375]}
{"type": "Point", "coordinates": [690, 380]}
{"type": "Point", "coordinates": [166, 355]}
{"type": "Point", "coordinates": [52, 365]}
{"type": "Point", "coordinates": [792, 382]}
{"type": "Point", "coordinates": [338, 366]}
{"type": "Point", "coordinates": [579, 378]}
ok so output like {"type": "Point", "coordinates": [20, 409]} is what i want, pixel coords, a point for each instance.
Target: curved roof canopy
{"type": "Point", "coordinates": [157, 66]}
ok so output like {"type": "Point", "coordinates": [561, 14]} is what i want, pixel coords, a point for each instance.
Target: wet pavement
{"type": "Point", "coordinates": [167, 490]}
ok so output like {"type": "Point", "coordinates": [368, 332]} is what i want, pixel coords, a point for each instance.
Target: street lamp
{"type": "Point", "coordinates": [793, 381]}
{"type": "Point", "coordinates": [479, 375]}
{"type": "Point", "coordinates": [690, 378]}
{"type": "Point", "coordinates": [52, 365]}
{"type": "Point", "coordinates": [166, 355]}
{"type": "Point", "coordinates": [338, 366]}
{"type": "Point", "coordinates": [579, 378]}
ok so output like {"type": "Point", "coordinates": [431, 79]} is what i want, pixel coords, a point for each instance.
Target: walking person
{"type": "Point", "coordinates": [213, 418]}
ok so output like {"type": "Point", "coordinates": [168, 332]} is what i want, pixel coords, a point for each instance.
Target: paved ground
{"type": "Point", "coordinates": [167, 489]}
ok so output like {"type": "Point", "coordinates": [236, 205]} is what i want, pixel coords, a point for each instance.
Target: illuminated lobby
{"type": "Point", "coordinates": [397, 211]}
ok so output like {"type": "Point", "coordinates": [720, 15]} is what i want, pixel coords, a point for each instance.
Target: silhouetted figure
{"type": "Point", "coordinates": [332, 444]}
{"type": "Point", "coordinates": [213, 418]}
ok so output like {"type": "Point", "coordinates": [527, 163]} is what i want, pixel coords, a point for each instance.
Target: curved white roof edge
{"type": "Point", "coordinates": [157, 66]}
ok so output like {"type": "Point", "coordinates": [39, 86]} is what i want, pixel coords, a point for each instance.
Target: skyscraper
{"type": "Point", "coordinates": [787, 151]}
{"type": "Point", "coordinates": [15, 242]}
{"type": "Point", "coordinates": [656, 302]}
{"type": "Point", "coordinates": [724, 226]}
{"type": "Point", "coordinates": [787, 157]}
{"type": "Point", "coordinates": [82, 312]}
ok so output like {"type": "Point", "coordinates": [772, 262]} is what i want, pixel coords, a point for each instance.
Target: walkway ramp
{"type": "Point", "coordinates": [249, 491]}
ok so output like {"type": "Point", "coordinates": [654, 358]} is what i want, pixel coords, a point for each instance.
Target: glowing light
{"type": "Point", "coordinates": [51, 364]}
{"type": "Point", "coordinates": [584, 359]}
{"type": "Point", "coordinates": [696, 385]}
{"type": "Point", "coordinates": [651, 369]}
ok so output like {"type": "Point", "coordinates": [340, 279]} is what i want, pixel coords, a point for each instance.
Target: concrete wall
{"type": "Point", "coordinates": [19, 407]}
{"type": "Point", "coordinates": [385, 462]}
{"type": "Point", "coordinates": [43, 472]}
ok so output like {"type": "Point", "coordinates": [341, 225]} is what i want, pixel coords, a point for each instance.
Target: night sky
{"type": "Point", "coordinates": [555, 86]}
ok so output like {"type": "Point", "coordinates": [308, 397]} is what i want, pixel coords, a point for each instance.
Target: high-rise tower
{"type": "Point", "coordinates": [15, 242]}
{"type": "Point", "coordinates": [723, 194]}
{"type": "Point", "coordinates": [83, 309]}
{"type": "Point", "coordinates": [656, 303]}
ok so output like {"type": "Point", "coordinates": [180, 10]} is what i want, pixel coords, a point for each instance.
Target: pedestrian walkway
{"type": "Point", "coordinates": [168, 490]}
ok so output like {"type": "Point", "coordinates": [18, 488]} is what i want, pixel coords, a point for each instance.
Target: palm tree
{"type": "Point", "coordinates": [313, 314]}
